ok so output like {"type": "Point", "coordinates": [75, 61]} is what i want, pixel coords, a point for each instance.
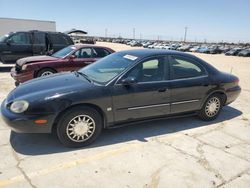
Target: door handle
{"type": "Point", "coordinates": [162, 90]}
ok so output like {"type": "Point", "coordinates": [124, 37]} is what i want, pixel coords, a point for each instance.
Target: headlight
{"type": "Point", "coordinates": [24, 67]}
{"type": "Point", "coordinates": [19, 106]}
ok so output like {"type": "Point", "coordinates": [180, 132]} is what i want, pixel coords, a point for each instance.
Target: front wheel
{"type": "Point", "coordinates": [211, 108]}
{"type": "Point", "coordinates": [45, 72]}
{"type": "Point", "coordinates": [80, 126]}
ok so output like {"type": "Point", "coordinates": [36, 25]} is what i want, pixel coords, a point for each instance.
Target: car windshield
{"type": "Point", "coordinates": [105, 69]}
{"type": "Point", "coordinates": [64, 52]}
{"type": "Point", "coordinates": [2, 38]}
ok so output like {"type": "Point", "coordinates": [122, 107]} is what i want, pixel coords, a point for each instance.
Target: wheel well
{"type": "Point", "coordinates": [222, 95]}
{"type": "Point", "coordinates": [36, 72]}
{"type": "Point", "coordinates": [98, 109]}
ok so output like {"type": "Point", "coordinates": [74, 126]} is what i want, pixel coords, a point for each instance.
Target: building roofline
{"type": "Point", "coordinates": [28, 19]}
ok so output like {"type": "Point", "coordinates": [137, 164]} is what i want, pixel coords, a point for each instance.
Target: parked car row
{"type": "Point", "coordinates": [200, 48]}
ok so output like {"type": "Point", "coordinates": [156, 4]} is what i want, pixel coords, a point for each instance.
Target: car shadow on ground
{"type": "Point", "coordinates": [42, 144]}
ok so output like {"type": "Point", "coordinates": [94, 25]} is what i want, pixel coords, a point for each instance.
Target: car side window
{"type": "Point", "coordinates": [100, 52]}
{"type": "Point", "coordinates": [83, 53]}
{"type": "Point", "coordinates": [59, 39]}
{"type": "Point", "coordinates": [20, 38]}
{"type": "Point", "coordinates": [184, 68]}
{"type": "Point", "coordinates": [148, 71]}
{"type": "Point", "coordinates": [39, 38]}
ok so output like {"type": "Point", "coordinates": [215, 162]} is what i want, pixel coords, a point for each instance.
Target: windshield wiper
{"type": "Point", "coordinates": [85, 76]}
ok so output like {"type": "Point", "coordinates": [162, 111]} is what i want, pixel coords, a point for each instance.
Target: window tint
{"type": "Point", "coordinates": [84, 53]}
{"type": "Point", "coordinates": [184, 68]}
{"type": "Point", "coordinates": [59, 39]}
{"type": "Point", "coordinates": [39, 38]}
{"type": "Point", "coordinates": [20, 38]}
{"type": "Point", "coordinates": [100, 52]}
{"type": "Point", "coordinates": [149, 71]}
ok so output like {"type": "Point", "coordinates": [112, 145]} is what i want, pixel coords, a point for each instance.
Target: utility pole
{"type": "Point", "coordinates": [140, 36]}
{"type": "Point", "coordinates": [106, 33]}
{"type": "Point", "coordinates": [133, 33]}
{"type": "Point", "coordinates": [185, 34]}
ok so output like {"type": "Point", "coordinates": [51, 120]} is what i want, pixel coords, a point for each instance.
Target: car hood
{"type": "Point", "coordinates": [54, 85]}
{"type": "Point", "coordinates": [33, 59]}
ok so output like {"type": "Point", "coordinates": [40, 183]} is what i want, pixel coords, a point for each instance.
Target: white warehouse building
{"type": "Point", "coordinates": [12, 24]}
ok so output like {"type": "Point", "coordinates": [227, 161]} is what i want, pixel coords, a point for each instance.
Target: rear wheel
{"type": "Point", "coordinates": [211, 108]}
{"type": "Point", "coordinates": [80, 126]}
{"type": "Point", "coordinates": [45, 72]}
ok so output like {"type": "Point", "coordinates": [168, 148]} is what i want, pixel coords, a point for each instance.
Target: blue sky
{"type": "Point", "coordinates": [213, 20]}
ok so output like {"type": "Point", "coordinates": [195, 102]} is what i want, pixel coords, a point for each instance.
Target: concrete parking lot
{"type": "Point", "coordinates": [184, 152]}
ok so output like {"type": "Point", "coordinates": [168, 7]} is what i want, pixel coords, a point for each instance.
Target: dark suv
{"type": "Point", "coordinates": [17, 45]}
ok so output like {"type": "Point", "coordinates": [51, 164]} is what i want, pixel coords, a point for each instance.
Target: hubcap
{"type": "Point", "coordinates": [80, 128]}
{"type": "Point", "coordinates": [46, 73]}
{"type": "Point", "coordinates": [212, 107]}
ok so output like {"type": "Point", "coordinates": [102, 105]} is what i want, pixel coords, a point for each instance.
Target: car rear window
{"type": "Point", "coordinates": [59, 39]}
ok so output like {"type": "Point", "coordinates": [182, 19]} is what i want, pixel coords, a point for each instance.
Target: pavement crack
{"type": "Point", "coordinates": [234, 177]}
{"type": "Point", "coordinates": [219, 127]}
{"type": "Point", "coordinates": [21, 170]}
{"type": "Point", "coordinates": [155, 178]}
{"type": "Point", "coordinates": [201, 159]}
{"type": "Point", "coordinates": [205, 163]}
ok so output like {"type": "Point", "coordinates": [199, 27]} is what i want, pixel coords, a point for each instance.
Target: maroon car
{"type": "Point", "coordinates": [70, 58]}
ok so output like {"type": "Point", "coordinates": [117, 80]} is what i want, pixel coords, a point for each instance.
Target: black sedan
{"type": "Point", "coordinates": [124, 87]}
{"type": "Point", "coordinates": [244, 53]}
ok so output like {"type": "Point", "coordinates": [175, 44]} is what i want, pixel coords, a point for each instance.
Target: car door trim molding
{"type": "Point", "coordinates": [183, 102]}
{"type": "Point", "coordinates": [160, 105]}
{"type": "Point", "coordinates": [149, 106]}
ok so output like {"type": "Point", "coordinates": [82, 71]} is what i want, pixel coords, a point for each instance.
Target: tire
{"type": "Point", "coordinates": [72, 130]}
{"type": "Point", "coordinates": [211, 108]}
{"type": "Point", "coordinates": [45, 72]}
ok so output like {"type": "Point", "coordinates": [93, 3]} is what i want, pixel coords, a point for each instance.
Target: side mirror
{"type": "Point", "coordinates": [129, 81]}
{"type": "Point", "coordinates": [71, 57]}
{"type": "Point", "coordinates": [8, 41]}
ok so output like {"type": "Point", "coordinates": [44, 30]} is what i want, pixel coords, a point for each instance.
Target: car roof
{"type": "Point", "coordinates": [78, 46]}
{"type": "Point", "coordinates": [143, 53]}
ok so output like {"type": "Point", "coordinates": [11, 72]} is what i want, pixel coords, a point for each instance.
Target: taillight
{"type": "Point", "coordinates": [236, 81]}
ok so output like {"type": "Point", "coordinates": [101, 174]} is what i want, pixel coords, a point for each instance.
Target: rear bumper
{"type": "Point", "coordinates": [232, 94]}
{"type": "Point", "coordinates": [22, 123]}
{"type": "Point", "coordinates": [21, 77]}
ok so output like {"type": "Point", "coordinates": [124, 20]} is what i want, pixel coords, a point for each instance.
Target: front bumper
{"type": "Point", "coordinates": [21, 77]}
{"type": "Point", "coordinates": [22, 123]}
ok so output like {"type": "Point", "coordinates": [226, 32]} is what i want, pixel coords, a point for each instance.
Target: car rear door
{"type": "Point", "coordinates": [189, 84]}
{"type": "Point", "coordinates": [18, 46]}
{"type": "Point", "coordinates": [39, 43]}
{"type": "Point", "coordinates": [99, 53]}
{"type": "Point", "coordinates": [148, 97]}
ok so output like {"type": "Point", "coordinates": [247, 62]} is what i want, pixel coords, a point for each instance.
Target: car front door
{"type": "Point", "coordinates": [83, 57]}
{"type": "Point", "coordinates": [189, 84]}
{"type": "Point", "coordinates": [17, 46]}
{"type": "Point", "coordinates": [148, 97]}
